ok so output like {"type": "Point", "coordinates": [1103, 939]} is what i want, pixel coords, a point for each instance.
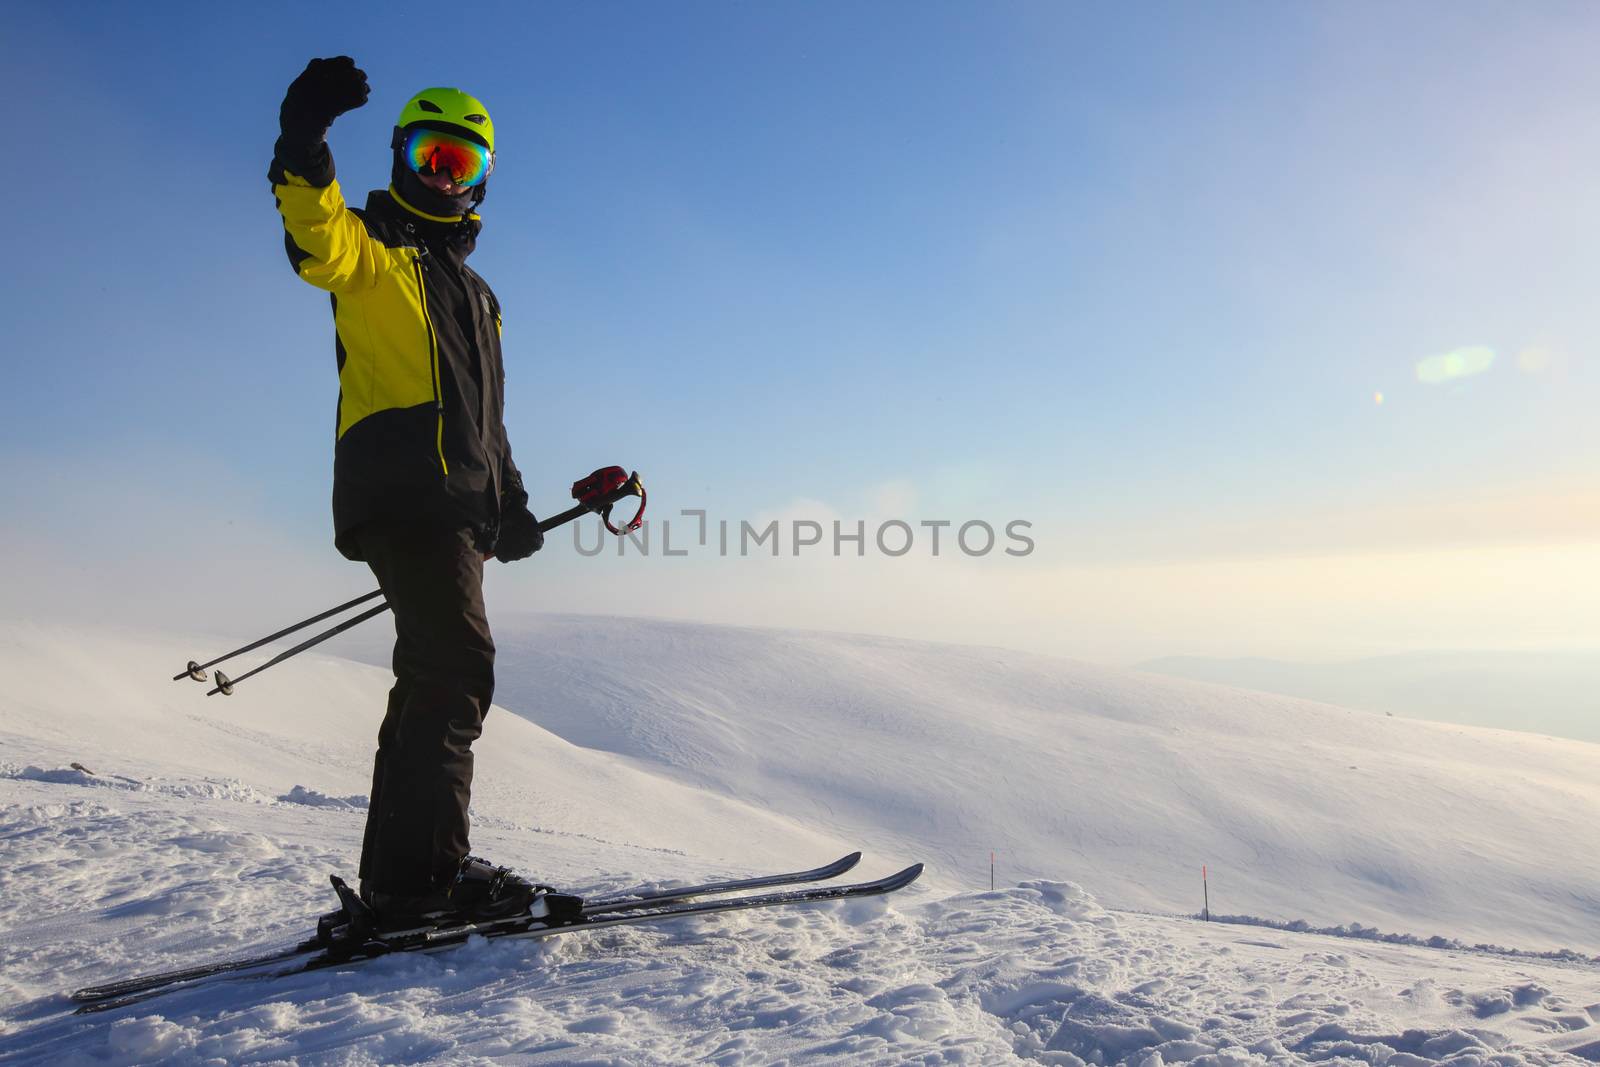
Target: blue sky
{"type": "Point", "coordinates": [1134, 273]}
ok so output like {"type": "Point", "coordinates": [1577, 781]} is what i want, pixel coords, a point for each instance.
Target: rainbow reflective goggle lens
{"type": "Point", "coordinates": [430, 152]}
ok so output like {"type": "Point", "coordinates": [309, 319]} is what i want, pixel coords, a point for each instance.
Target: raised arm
{"type": "Point", "coordinates": [327, 245]}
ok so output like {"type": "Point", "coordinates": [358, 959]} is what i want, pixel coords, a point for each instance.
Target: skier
{"type": "Point", "coordinates": [424, 488]}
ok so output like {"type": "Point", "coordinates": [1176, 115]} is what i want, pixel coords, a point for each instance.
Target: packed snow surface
{"type": "Point", "coordinates": [146, 826]}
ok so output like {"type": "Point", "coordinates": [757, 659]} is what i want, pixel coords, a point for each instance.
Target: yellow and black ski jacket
{"type": "Point", "coordinates": [420, 433]}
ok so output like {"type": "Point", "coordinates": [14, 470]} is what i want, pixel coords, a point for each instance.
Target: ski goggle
{"type": "Point", "coordinates": [434, 152]}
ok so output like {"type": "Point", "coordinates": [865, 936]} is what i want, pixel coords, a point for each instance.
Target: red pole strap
{"type": "Point", "coordinates": [600, 490]}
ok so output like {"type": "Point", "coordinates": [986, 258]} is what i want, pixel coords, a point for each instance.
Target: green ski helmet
{"type": "Point", "coordinates": [451, 111]}
{"type": "Point", "coordinates": [443, 126]}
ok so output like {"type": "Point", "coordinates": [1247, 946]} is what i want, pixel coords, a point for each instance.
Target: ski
{"type": "Point", "coordinates": [628, 901]}
{"type": "Point", "coordinates": [599, 906]}
{"type": "Point", "coordinates": [441, 939]}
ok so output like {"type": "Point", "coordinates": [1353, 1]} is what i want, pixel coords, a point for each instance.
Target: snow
{"type": "Point", "coordinates": [647, 752]}
{"type": "Point", "coordinates": [1121, 781]}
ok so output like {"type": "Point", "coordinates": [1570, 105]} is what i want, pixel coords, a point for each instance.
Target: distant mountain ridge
{"type": "Point", "coordinates": [1556, 693]}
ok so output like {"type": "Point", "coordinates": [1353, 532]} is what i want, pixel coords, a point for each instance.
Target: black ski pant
{"type": "Point", "coordinates": [416, 832]}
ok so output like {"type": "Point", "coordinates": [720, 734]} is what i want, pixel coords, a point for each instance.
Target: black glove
{"type": "Point", "coordinates": [326, 89]}
{"type": "Point", "coordinates": [520, 536]}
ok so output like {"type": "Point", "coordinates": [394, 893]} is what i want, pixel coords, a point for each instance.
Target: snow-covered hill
{"type": "Point", "coordinates": [106, 700]}
{"type": "Point", "coordinates": [1120, 781]}
{"type": "Point", "coordinates": [200, 825]}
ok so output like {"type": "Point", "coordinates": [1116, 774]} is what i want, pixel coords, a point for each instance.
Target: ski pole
{"type": "Point", "coordinates": [598, 492]}
{"type": "Point", "coordinates": [225, 684]}
{"type": "Point", "coordinates": [197, 671]}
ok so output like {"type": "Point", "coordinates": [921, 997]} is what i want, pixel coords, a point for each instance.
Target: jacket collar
{"type": "Point", "coordinates": [455, 236]}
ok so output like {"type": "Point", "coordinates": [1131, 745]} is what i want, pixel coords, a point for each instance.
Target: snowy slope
{"type": "Point", "coordinates": [1036, 973]}
{"type": "Point", "coordinates": [191, 837]}
{"type": "Point", "coordinates": [1120, 781]}
{"type": "Point", "coordinates": [313, 725]}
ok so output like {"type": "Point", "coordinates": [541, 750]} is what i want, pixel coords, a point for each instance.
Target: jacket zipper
{"type": "Point", "coordinates": [469, 289]}
{"type": "Point", "coordinates": [433, 354]}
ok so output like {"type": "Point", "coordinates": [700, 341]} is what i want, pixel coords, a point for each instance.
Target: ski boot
{"type": "Point", "coordinates": [479, 893]}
